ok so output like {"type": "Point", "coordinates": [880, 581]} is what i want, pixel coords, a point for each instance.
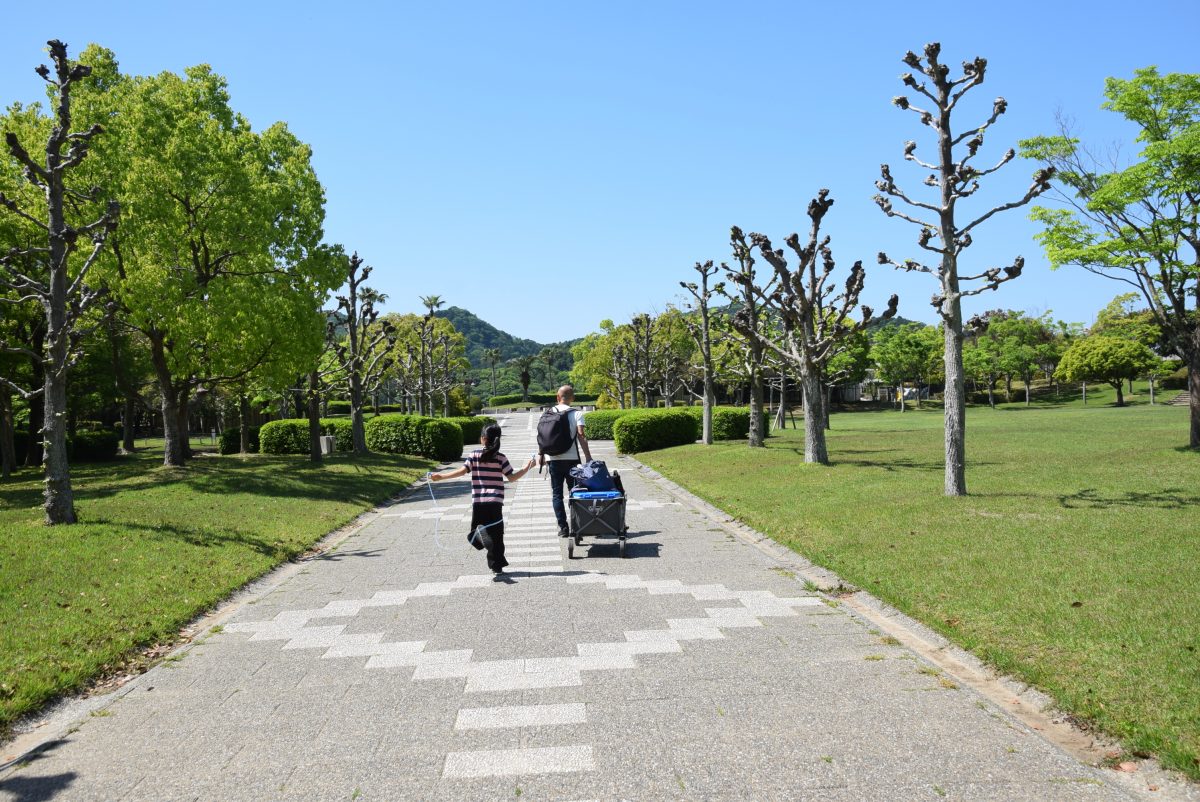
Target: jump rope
{"type": "Point", "coordinates": [479, 535]}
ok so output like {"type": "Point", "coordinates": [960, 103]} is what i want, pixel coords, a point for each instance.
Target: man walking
{"type": "Point", "coordinates": [560, 465]}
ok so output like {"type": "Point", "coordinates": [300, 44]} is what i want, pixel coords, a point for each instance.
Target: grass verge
{"type": "Point", "coordinates": [154, 548]}
{"type": "Point", "coordinates": [1073, 564]}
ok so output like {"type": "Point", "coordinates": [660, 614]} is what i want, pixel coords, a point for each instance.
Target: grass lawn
{"type": "Point", "coordinates": [154, 548]}
{"type": "Point", "coordinates": [1074, 564]}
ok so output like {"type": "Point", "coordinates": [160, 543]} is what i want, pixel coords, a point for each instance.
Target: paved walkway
{"type": "Point", "coordinates": [697, 668]}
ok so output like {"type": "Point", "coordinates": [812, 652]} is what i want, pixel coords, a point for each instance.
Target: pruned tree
{"type": "Point", "coordinates": [366, 353]}
{"type": "Point", "coordinates": [814, 321]}
{"type": "Point", "coordinates": [699, 326]}
{"type": "Point", "coordinates": [749, 317]}
{"type": "Point", "coordinates": [955, 178]}
{"type": "Point", "coordinates": [60, 283]}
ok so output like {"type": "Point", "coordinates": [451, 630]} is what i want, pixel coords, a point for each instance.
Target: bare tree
{"type": "Point", "coordinates": [955, 178]}
{"type": "Point", "coordinates": [700, 327]}
{"type": "Point", "coordinates": [63, 294]}
{"type": "Point", "coordinates": [814, 324]}
{"type": "Point", "coordinates": [750, 317]}
{"type": "Point", "coordinates": [367, 352]}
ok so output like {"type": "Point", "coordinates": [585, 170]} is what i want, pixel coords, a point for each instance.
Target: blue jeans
{"type": "Point", "coordinates": [560, 474]}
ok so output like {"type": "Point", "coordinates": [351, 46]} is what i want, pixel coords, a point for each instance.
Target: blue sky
{"type": "Point", "coordinates": [549, 165]}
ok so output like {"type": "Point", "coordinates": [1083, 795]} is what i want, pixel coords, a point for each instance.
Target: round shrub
{"type": "Point", "coordinates": [337, 408]}
{"type": "Point", "coordinates": [1176, 381]}
{"type": "Point", "coordinates": [94, 446]}
{"type": "Point", "coordinates": [437, 438]}
{"type": "Point", "coordinates": [288, 436]}
{"type": "Point", "coordinates": [441, 439]}
{"type": "Point", "coordinates": [231, 440]}
{"type": "Point", "coordinates": [648, 430]}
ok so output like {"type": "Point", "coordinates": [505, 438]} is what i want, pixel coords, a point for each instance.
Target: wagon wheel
{"type": "Point", "coordinates": [570, 549]}
{"type": "Point", "coordinates": [621, 548]}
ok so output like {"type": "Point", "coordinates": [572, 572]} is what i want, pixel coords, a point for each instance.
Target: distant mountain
{"type": "Point", "coordinates": [482, 335]}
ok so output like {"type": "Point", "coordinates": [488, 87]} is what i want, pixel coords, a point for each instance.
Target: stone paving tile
{"type": "Point", "coordinates": [684, 675]}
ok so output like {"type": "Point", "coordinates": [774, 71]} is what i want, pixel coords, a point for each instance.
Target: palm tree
{"type": "Point", "coordinates": [491, 356]}
{"type": "Point", "coordinates": [432, 303]}
{"type": "Point", "coordinates": [523, 364]}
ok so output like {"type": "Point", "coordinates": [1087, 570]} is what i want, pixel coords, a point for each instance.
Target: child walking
{"type": "Point", "coordinates": [488, 468]}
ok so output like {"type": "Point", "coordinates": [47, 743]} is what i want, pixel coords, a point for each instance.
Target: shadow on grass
{"type": "Point", "coordinates": [206, 538]}
{"type": "Point", "coordinates": [1170, 498]}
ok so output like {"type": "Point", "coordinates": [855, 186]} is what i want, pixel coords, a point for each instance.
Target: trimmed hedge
{"type": "Point", "coordinates": [729, 423]}
{"type": "Point", "coordinates": [598, 424]}
{"type": "Point", "coordinates": [538, 398]}
{"type": "Point", "coordinates": [288, 436]}
{"type": "Point", "coordinates": [342, 430]}
{"type": "Point", "coordinates": [337, 408]}
{"type": "Point", "coordinates": [231, 440]}
{"type": "Point", "coordinates": [94, 446]}
{"type": "Point", "coordinates": [438, 438]}
{"type": "Point", "coordinates": [649, 430]}
{"type": "Point", "coordinates": [472, 427]}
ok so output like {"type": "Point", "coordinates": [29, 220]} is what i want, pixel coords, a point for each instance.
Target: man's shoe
{"type": "Point", "coordinates": [563, 532]}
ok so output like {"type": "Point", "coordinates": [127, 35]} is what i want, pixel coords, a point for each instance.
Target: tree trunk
{"type": "Point", "coordinates": [900, 395]}
{"type": "Point", "coordinates": [8, 451]}
{"type": "Point", "coordinates": [1084, 386]}
{"type": "Point", "coordinates": [358, 429]}
{"type": "Point", "coordinates": [1194, 390]}
{"type": "Point", "coordinates": [1028, 381]}
{"type": "Point", "coordinates": [826, 405]}
{"type": "Point", "coordinates": [1131, 386]}
{"type": "Point", "coordinates": [706, 415]}
{"type": "Point", "coordinates": [129, 425]}
{"type": "Point", "coordinates": [1151, 391]}
{"type": "Point", "coordinates": [33, 454]}
{"type": "Point", "coordinates": [1008, 388]}
{"type": "Point", "coordinates": [756, 408]}
{"type": "Point", "coordinates": [59, 497]}
{"type": "Point", "coordinates": [955, 400]}
{"type": "Point", "coordinates": [314, 417]}
{"type": "Point", "coordinates": [814, 419]}
{"type": "Point", "coordinates": [183, 412]}
{"type": "Point", "coordinates": [174, 449]}
{"type": "Point", "coordinates": [1120, 397]}
{"type": "Point", "coordinates": [243, 424]}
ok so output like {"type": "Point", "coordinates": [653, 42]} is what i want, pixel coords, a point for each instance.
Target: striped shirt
{"type": "Point", "coordinates": [487, 478]}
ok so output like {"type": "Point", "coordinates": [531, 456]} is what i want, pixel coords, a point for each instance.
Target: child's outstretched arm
{"type": "Point", "coordinates": [515, 475]}
{"type": "Point", "coordinates": [461, 470]}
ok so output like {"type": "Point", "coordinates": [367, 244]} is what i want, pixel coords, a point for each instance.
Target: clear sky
{"type": "Point", "coordinates": [548, 165]}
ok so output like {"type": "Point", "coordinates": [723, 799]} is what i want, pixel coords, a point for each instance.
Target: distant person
{"type": "Point", "coordinates": [488, 468]}
{"type": "Point", "coordinates": [561, 427]}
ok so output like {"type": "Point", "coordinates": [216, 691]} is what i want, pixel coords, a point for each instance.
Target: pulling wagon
{"type": "Point", "coordinates": [597, 514]}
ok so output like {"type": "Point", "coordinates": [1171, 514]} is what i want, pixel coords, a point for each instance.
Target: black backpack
{"type": "Point", "coordinates": [555, 435]}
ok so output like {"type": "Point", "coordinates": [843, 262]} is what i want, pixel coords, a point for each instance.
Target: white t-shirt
{"type": "Point", "coordinates": [576, 422]}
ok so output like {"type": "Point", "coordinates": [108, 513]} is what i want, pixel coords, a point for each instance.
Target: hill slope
{"type": "Point", "coordinates": [482, 335]}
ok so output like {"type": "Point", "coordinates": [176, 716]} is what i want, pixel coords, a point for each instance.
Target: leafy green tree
{"type": "Point", "coordinates": [60, 282]}
{"type": "Point", "coordinates": [218, 262]}
{"type": "Point", "coordinates": [1107, 359]}
{"type": "Point", "coordinates": [1138, 224]}
{"type": "Point", "coordinates": [955, 179]}
{"type": "Point", "coordinates": [904, 354]}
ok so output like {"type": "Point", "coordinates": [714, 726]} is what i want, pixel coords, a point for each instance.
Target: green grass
{"type": "Point", "coordinates": [1074, 564]}
{"type": "Point", "coordinates": [154, 548]}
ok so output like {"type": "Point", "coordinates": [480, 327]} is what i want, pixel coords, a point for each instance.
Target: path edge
{"type": "Point", "coordinates": [38, 730]}
{"type": "Point", "coordinates": [1021, 702]}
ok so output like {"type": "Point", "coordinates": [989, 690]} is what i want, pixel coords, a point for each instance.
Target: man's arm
{"type": "Point", "coordinates": [582, 441]}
